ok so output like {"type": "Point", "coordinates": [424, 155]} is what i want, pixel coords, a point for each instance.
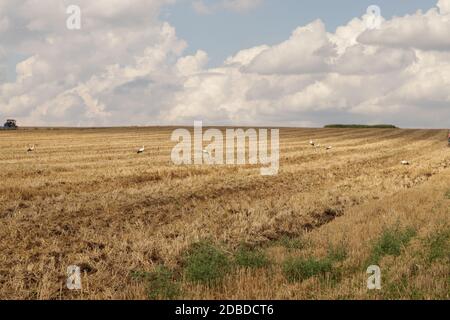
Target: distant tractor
{"type": "Point", "coordinates": [10, 124]}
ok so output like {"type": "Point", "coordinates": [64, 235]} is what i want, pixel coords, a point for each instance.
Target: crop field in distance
{"type": "Point", "coordinates": [141, 227]}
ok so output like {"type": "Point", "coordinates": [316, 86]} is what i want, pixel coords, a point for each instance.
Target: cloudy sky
{"type": "Point", "coordinates": [231, 62]}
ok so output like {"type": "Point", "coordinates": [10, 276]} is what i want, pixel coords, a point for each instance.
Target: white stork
{"type": "Point", "coordinates": [141, 150]}
{"type": "Point", "coordinates": [405, 163]}
{"type": "Point", "coordinates": [30, 148]}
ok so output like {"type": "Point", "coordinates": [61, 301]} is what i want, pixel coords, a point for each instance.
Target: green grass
{"type": "Point", "coordinates": [337, 253]}
{"type": "Point", "coordinates": [447, 195]}
{"type": "Point", "coordinates": [403, 288]}
{"type": "Point", "coordinates": [364, 126]}
{"type": "Point", "coordinates": [291, 243]}
{"type": "Point", "coordinates": [439, 245]}
{"type": "Point", "coordinates": [206, 264]}
{"type": "Point", "coordinates": [298, 269]}
{"type": "Point", "coordinates": [160, 283]}
{"type": "Point", "coordinates": [251, 258]}
{"type": "Point", "coordinates": [390, 243]}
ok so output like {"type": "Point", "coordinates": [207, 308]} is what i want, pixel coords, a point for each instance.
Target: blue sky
{"type": "Point", "coordinates": [223, 33]}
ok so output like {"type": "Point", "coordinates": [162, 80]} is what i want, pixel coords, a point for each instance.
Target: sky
{"type": "Point", "coordinates": [225, 62]}
{"type": "Point", "coordinates": [222, 33]}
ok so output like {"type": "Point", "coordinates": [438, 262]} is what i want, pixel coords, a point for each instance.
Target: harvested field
{"type": "Point", "coordinates": [84, 197]}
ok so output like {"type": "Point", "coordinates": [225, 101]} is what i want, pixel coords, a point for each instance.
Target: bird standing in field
{"type": "Point", "coordinates": [30, 148]}
{"type": "Point", "coordinates": [141, 150]}
{"type": "Point", "coordinates": [405, 163]}
{"type": "Point", "coordinates": [329, 147]}
{"type": "Point", "coordinates": [311, 142]}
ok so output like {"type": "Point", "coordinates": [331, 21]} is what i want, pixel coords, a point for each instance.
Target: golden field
{"type": "Point", "coordinates": [141, 227]}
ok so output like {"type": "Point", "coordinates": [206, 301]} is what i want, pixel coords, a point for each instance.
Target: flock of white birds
{"type": "Point", "coordinates": [31, 148]}
{"type": "Point", "coordinates": [317, 145]}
